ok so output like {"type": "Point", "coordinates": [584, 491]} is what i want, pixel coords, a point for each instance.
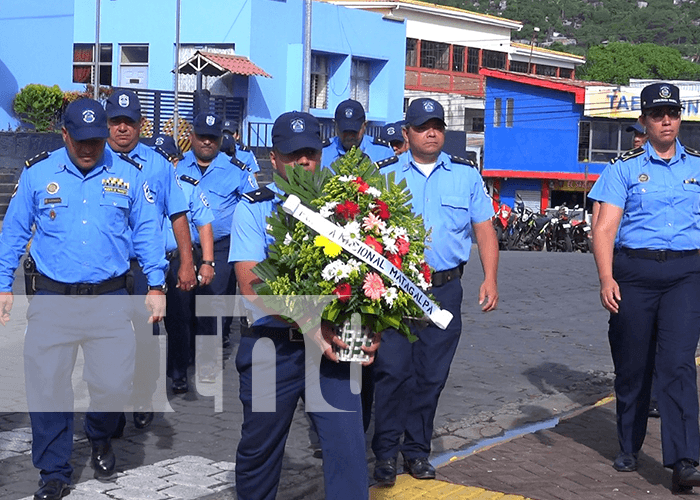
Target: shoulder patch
{"type": "Point", "coordinates": [381, 142]}
{"type": "Point", "coordinates": [387, 161]}
{"type": "Point", "coordinates": [632, 153]}
{"type": "Point", "coordinates": [462, 161]}
{"type": "Point", "coordinates": [162, 153]}
{"type": "Point", "coordinates": [36, 159]}
{"type": "Point", "coordinates": [244, 148]}
{"type": "Point", "coordinates": [240, 164]}
{"type": "Point", "coordinates": [691, 151]}
{"type": "Point", "coordinates": [189, 179]}
{"type": "Point", "coordinates": [260, 194]}
{"type": "Point", "coordinates": [326, 142]}
{"type": "Point", "coordinates": [127, 159]}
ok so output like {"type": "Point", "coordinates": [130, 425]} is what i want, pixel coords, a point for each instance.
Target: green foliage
{"type": "Point", "coordinates": [39, 105]}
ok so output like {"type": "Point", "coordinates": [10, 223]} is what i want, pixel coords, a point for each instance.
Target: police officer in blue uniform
{"type": "Point", "coordinates": [450, 195]}
{"type": "Point", "coordinates": [124, 121]}
{"type": "Point", "coordinates": [650, 283]}
{"type": "Point", "coordinates": [296, 141]}
{"type": "Point", "coordinates": [392, 134]}
{"type": "Point", "coordinates": [180, 310]}
{"type": "Point", "coordinates": [82, 200]}
{"type": "Point", "coordinates": [240, 155]}
{"type": "Point", "coordinates": [223, 184]}
{"type": "Point", "coordinates": [350, 127]}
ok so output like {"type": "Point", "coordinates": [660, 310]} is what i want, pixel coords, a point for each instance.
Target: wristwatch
{"type": "Point", "coordinates": [209, 263]}
{"type": "Point", "coordinates": [159, 288]}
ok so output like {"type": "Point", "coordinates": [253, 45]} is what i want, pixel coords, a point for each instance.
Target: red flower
{"type": "Point", "coordinates": [347, 210]}
{"type": "Point", "coordinates": [403, 245]}
{"type": "Point", "coordinates": [382, 210]}
{"type": "Point", "coordinates": [362, 186]}
{"type": "Point", "coordinates": [425, 270]}
{"type": "Point", "coordinates": [394, 259]}
{"type": "Point", "coordinates": [369, 240]}
{"type": "Point", "coordinates": [343, 291]}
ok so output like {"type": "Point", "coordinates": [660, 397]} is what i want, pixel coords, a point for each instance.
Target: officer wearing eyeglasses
{"type": "Point", "coordinates": [650, 283]}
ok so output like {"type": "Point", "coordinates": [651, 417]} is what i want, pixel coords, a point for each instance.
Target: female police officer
{"type": "Point", "coordinates": [650, 283]}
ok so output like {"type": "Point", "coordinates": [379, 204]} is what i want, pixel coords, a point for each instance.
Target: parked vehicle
{"type": "Point", "coordinates": [501, 221]}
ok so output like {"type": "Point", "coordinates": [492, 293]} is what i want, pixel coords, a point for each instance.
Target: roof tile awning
{"type": "Point", "coordinates": [213, 64]}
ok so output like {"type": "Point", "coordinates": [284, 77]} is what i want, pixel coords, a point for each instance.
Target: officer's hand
{"type": "Point", "coordinates": [372, 349]}
{"type": "Point", "coordinates": [610, 295]}
{"type": "Point", "coordinates": [155, 303]}
{"type": "Point", "coordinates": [488, 295]}
{"type": "Point", "coordinates": [186, 279]}
{"type": "Point", "coordinates": [6, 301]}
{"type": "Point", "coordinates": [206, 274]}
{"type": "Point", "coordinates": [329, 338]}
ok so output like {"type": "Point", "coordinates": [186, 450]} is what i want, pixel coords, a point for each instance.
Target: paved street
{"type": "Point", "coordinates": [542, 354]}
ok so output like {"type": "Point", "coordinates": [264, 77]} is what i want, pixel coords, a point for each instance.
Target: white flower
{"type": "Point", "coordinates": [287, 239]}
{"type": "Point", "coordinates": [372, 191]}
{"type": "Point", "coordinates": [268, 228]}
{"type": "Point", "coordinates": [422, 283]}
{"type": "Point", "coordinates": [335, 271]}
{"type": "Point", "coordinates": [328, 209]}
{"type": "Point", "coordinates": [390, 244]}
{"type": "Point", "coordinates": [354, 265]}
{"type": "Point", "coordinates": [352, 230]}
{"type": "Point", "coordinates": [390, 295]}
{"type": "Point", "coordinates": [347, 178]}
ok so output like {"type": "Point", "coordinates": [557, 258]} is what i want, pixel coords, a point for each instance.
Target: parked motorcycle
{"type": "Point", "coordinates": [501, 221]}
{"type": "Point", "coordinates": [529, 230]}
{"type": "Point", "coordinates": [580, 236]}
{"type": "Point", "coordinates": [560, 238]}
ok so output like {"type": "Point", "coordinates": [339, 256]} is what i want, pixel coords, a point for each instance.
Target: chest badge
{"type": "Point", "coordinates": [643, 178]}
{"type": "Point", "coordinates": [115, 185]}
{"type": "Point", "coordinates": [52, 214]}
{"type": "Point", "coordinates": [52, 188]}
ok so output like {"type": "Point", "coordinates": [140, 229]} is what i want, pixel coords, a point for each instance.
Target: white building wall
{"type": "Point", "coordinates": [453, 31]}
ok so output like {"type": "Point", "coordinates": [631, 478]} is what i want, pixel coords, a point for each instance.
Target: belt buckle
{"type": "Point", "coordinates": [661, 256]}
{"type": "Point", "coordinates": [295, 335]}
{"type": "Point", "coordinates": [84, 289]}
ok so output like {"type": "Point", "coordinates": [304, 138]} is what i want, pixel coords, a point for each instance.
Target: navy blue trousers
{"type": "Point", "coordinates": [264, 434]}
{"type": "Point", "coordinates": [657, 326]}
{"type": "Point", "coordinates": [408, 380]}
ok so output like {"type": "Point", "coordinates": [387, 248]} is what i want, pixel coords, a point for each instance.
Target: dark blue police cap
{"type": "Point", "coordinates": [229, 126]}
{"type": "Point", "coordinates": [422, 110]}
{"type": "Point", "coordinates": [660, 94]}
{"type": "Point", "coordinates": [207, 124]}
{"type": "Point", "coordinates": [636, 128]}
{"type": "Point", "coordinates": [86, 119]}
{"type": "Point", "coordinates": [296, 130]}
{"type": "Point", "coordinates": [167, 144]}
{"type": "Point", "coordinates": [391, 132]}
{"type": "Point", "coordinates": [349, 115]}
{"type": "Point", "coordinates": [123, 103]}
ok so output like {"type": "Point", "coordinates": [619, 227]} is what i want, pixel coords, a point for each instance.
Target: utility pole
{"type": "Point", "coordinates": [97, 50]}
{"type": "Point", "coordinates": [535, 30]}
{"type": "Point", "coordinates": [306, 73]}
{"type": "Point", "coordinates": [176, 115]}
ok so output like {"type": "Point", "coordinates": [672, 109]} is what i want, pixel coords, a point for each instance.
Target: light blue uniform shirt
{"type": "Point", "coordinates": [660, 200]}
{"type": "Point", "coordinates": [376, 152]}
{"type": "Point", "coordinates": [199, 213]}
{"type": "Point", "coordinates": [160, 175]}
{"type": "Point", "coordinates": [82, 222]}
{"type": "Point", "coordinates": [450, 200]}
{"type": "Point", "coordinates": [250, 242]}
{"type": "Point", "coordinates": [246, 156]}
{"type": "Point", "coordinates": [223, 184]}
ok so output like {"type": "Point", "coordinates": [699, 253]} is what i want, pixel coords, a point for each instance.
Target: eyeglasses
{"type": "Point", "coordinates": [657, 114]}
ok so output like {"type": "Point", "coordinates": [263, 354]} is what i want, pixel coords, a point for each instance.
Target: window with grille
{"type": "Point", "coordinates": [473, 61]}
{"type": "Point", "coordinates": [509, 112]}
{"type": "Point", "coordinates": [435, 55]}
{"type": "Point", "coordinates": [493, 59]}
{"type": "Point", "coordinates": [519, 66]}
{"type": "Point", "coordinates": [565, 73]}
{"type": "Point", "coordinates": [84, 63]}
{"type": "Point", "coordinates": [497, 112]}
{"type": "Point", "coordinates": [319, 82]}
{"type": "Point", "coordinates": [411, 52]}
{"type": "Point", "coordinates": [458, 58]}
{"type": "Point", "coordinates": [359, 82]}
{"type": "Point", "coordinates": [545, 70]}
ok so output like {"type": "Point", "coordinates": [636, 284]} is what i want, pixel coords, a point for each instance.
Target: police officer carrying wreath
{"type": "Point", "coordinates": [650, 283]}
{"type": "Point", "coordinates": [82, 199]}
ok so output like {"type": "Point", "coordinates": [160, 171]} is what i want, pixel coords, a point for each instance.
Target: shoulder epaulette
{"type": "Point", "coordinates": [244, 148]}
{"type": "Point", "coordinates": [260, 194]}
{"type": "Point", "coordinates": [36, 159]}
{"type": "Point", "coordinates": [163, 153]}
{"type": "Point", "coordinates": [691, 151]}
{"type": "Point", "coordinates": [127, 159]}
{"type": "Point", "coordinates": [240, 164]}
{"type": "Point", "coordinates": [632, 153]}
{"type": "Point", "coordinates": [387, 161]}
{"type": "Point", "coordinates": [189, 179]}
{"type": "Point", "coordinates": [326, 142]}
{"type": "Point", "coordinates": [462, 161]}
{"type": "Point", "coordinates": [381, 142]}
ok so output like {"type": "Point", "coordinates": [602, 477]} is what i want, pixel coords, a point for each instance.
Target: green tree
{"type": "Point", "coordinates": [39, 105]}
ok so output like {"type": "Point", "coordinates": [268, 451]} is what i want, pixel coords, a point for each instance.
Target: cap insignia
{"type": "Point", "coordinates": [88, 116]}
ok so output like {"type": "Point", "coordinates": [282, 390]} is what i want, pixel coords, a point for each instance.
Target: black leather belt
{"type": "Point", "coordinates": [291, 334]}
{"type": "Point", "coordinates": [41, 282]}
{"type": "Point", "coordinates": [442, 277]}
{"type": "Point", "coordinates": [658, 255]}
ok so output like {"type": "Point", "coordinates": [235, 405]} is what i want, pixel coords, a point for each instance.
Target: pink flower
{"type": "Point", "coordinates": [373, 286]}
{"type": "Point", "coordinates": [371, 222]}
{"type": "Point", "coordinates": [403, 245]}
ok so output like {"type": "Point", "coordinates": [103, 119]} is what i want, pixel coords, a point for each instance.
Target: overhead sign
{"type": "Point", "coordinates": [624, 102]}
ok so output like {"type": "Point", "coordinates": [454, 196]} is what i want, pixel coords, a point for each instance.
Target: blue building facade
{"type": "Point", "coordinates": [355, 54]}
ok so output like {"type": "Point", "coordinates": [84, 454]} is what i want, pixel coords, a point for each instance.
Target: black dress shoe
{"type": "Point", "coordinates": [419, 468]}
{"type": "Point", "coordinates": [625, 462]}
{"type": "Point", "coordinates": [654, 409]}
{"type": "Point", "coordinates": [180, 385]}
{"type": "Point", "coordinates": [385, 472]}
{"type": "Point", "coordinates": [119, 431]}
{"type": "Point", "coordinates": [685, 476]}
{"type": "Point", "coordinates": [142, 419]}
{"type": "Point", "coordinates": [52, 490]}
{"type": "Point", "coordinates": [103, 460]}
